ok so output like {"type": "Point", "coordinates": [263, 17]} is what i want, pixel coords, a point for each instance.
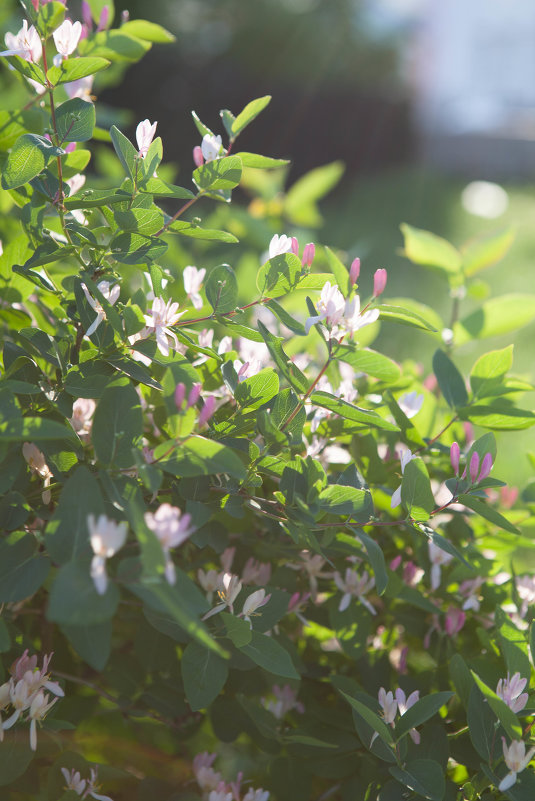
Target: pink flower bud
{"type": "Point", "coordinates": [295, 246]}
{"type": "Point", "coordinates": [395, 563]}
{"type": "Point", "coordinates": [198, 158]}
{"type": "Point", "coordinates": [454, 621]}
{"type": "Point", "coordinates": [308, 255]}
{"type": "Point", "coordinates": [70, 147]}
{"type": "Point", "coordinates": [486, 467]}
{"type": "Point", "coordinates": [455, 455]}
{"type": "Point", "coordinates": [104, 19]}
{"type": "Point", "coordinates": [194, 395]}
{"type": "Point", "coordinates": [402, 666]}
{"type": "Point", "coordinates": [379, 282]}
{"type": "Point", "coordinates": [180, 394]}
{"type": "Point", "coordinates": [468, 432]}
{"type": "Point", "coordinates": [508, 496]}
{"type": "Point", "coordinates": [86, 14]}
{"type": "Point", "coordinates": [207, 410]}
{"type": "Point", "coordinates": [474, 467]}
{"type": "Point", "coordinates": [35, 4]}
{"type": "Point", "coordinates": [125, 16]}
{"type": "Point", "coordinates": [354, 271]}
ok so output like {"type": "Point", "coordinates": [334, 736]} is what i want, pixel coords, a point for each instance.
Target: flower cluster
{"type": "Point", "coordinates": [85, 788]}
{"type": "Point", "coordinates": [215, 788]}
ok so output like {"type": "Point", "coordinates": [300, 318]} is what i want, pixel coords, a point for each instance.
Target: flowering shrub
{"type": "Point", "coordinates": [269, 561]}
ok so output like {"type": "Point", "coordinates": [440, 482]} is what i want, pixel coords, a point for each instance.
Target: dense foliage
{"type": "Point", "coordinates": [243, 555]}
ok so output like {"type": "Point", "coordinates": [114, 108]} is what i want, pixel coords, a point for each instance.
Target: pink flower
{"type": "Point", "coordinates": [454, 621]}
{"type": "Point", "coordinates": [309, 253]}
{"type": "Point", "coordinates": [160, 317]}
{"type": "Point", "coordinates": [172, 528]}
{"type": "Point", "coordinates": [207, 410]}
{"type": "Point", "coordinates": [26, 44]}
{"type": "Point", "coordinates": [455, 455]}
{"type": "Point", "coordinates": [198, 158]}
{"type": "Point", "coordinates": [379, 282]}
{"type": "Point", "coordinates": [510, 691]}
{"type": "Point", "coordinates": [331, 307]}
{"type": "Point", "coordinates": [193, 279]}
{"type": "Point", "coordinates": [144, 135]}
{"type": "Point", "coordinates": [354, 271]}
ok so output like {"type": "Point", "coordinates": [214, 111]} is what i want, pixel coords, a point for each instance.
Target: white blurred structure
{"type": "Point", "coordinates": [473, 78]}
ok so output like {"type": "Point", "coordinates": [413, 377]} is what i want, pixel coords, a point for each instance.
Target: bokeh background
{"type": "Point", "coordinates": [429, 106]}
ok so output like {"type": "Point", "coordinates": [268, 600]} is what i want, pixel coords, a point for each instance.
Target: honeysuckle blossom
{"type": "Point", "coordinates": [66, 39]}
{"type": "Point", "coordinates": [80, 88]}
{"type": "Point", "coordinates": [469, 589]}
{"type": "Point", "coordinates": [37, 464]}
{"type": "Point", "coordinates": [353, 320]}
{"type": "Point", "coordinates": [221, 794]}
{"type": "Point", "coordinates": [228, 589]}
{"type": "Point", "coordinates": [160, 317]}
{"type": "Point", "coordinates": [510, 690]}
{"type": "Point", "coordinates": [256, 795]}
{"type": "Point", "coordinates": [172, 528]}
{"type": "Point", "coordinates": [144, 135]}
{"type": "Point", "coordinates": [311, 564]}
{"type": "Point", "coordinates": [193, 279]}
{"type": "Point", "coordinates": [379, 282]}
{"type": "Point", "coordinates": [297, 603]}
{"type": "Point", "coordinates": [353, 585]}
{"type": "Point", "coordinates": [207, 778]}
{"type": "Point", "coordinates": [309, 253]}
{"type": "Point", "coordinates": [209, 581]}
{"type": "Point", "coordinates": [211, 147]}
{"type": "Point", "coordinates": [454, 620]}
{"type": "Point", "coordinates": [525, 587]}
{"type": "Point", "coordinates": [516, 760]}
{"type": "Point", "coordinates": [354, 271]}
{"type": "Point", "coordinates": [255, 572]}
{"type": "Point", "coordinates": [198, 158]}
{"type": "Point", "coordinates": [410, 403]}
{"type": "Point", "coordinates": [82, 416]}
{"type": "Point", "coordinates": [253, 602]}
{"type": "Point", "coordinates": [106, 537]}
{"type": "Point", "coordinates": [285, 700]}
{"type": "Point", "coordinates": [455, 456]}
{"type": "Point", "coordinates": [207, 410]}
{"type": "Point", "coordinates": [405, 456]}
{"type": "Point", "coordinates": [279, 244]}
{"type": "Point", "coordinates": [110, 293]}
{"type": "Point", "coordinates": [405, 703]}
{"type": "Point", "coordinates": [74, 780]}
{"type": "Point", "coordinates": [437, 557]}
{"type": "Point", "coordinates": [331, 307]}
{"type": "Point", "coordinates": [39, 708]}
{"type": "Point", "coordinates": [26, 43]}
{"type": "Point", "coordinates": [389, 706]}
{"type": "Point", "coordinates": [93, 786]}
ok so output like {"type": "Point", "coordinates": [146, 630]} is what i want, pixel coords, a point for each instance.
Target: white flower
{"type": "Point", "coordinates": [193, 279]}
{"type": "Point", "coordinates": [209, 581]}
{"type": "Point", "coordinates": [74, 780]}
{"type": "Point", "coordinates": [286, 701]}
{"type": "Point", "coordinates": [144, 135]}
{"type": "Point", "coordinates": [109, 293]}
{"type": "Point", "coordinates": [228, 590]}
{"type": "Point", "coordinates": [172, 529]}
{"type": "Point", "coordinates": [82, 413]}
{"type": "Point", "coordinates": [252, 603]}
{"type": "Point", "coordinates": [510, 691]}
{"type": "Point", "coordinates": [67, 36]}
{"type": "Point", "coordinates": [26, 44]}
{"type": "Point", "coordinates": [220, 794]}
{"type": "Point", "coordinates": [331, 307]}
{"type": "Point", "coordinates": [516, 760]}
{"type": "Point", "coordinates": [37, 464]}
{"type": "Point", "coordinates": [410, 403]}
{"type": "Point", "coordinates": [211, 147]}
{"type": "Point", "coordinates": [38, 709]}
{"type": "Point", "coordinates": [389, 706]}
{"type": "Point", "coordinates": [256, 795]}
{"type": "Point", "coordinates": [160, 317]}
{"type": "Point", "coordinates": [279, 245]}
{"type": "Point", "coordinates": [107, 537]}
{"type": "Point", "coordinates": [80, 88]}
{"type": "Point", "coordinates": [92, 787]}
{"type": "Point", "coordinates": [405, 703]}
{"type": "Point", "coordinates": [352, 320]}
{"type": "Point", "coordinates": [354, 585]}
{"type": "Point", "coordinates": [437, 557]}
{"type": "Point", "coordinates": [75, 183]}
{"type": "Point", "coordinates": [207, 778]}
{"type": "Point", "coordinates": [405, 456]}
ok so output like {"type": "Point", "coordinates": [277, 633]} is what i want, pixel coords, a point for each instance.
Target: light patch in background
{"type": "Point", "coordinates": [485, 199]}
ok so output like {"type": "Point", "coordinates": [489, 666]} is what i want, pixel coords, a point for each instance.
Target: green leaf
{"type": "Point", "coordinates": [289, 370]}
{"type": "Point", "coordinates": [450, 380]}
{"type": "Point", "coordinates": [50, 17]}
{"type": "Point", "coordinates": [498, 416]}
{"type": "Point", "coordinates": [496, 317]}
{"type": "Point", "coordinates": [75, 120]}
{"type": "Point", "coordinates": [15, 123]}
{"type": "Point", "coordinates": [421, 711]}
{"type": "Point", "coordinates": [364, 360]}
{"type": "Point", "coordinates": [194, 231]}
{"type": "Point", "coordinates": [481, 253]}
{"type": "Point", "coordinates": [238, 630]}
{"type": "Point", "coordinates": [425, 777]}
{"type": "Point", "coordinates": [137, 248]}
{"type": "Point", "coordinates": [404, 316]}
{"type": "Point", "coordinates": [301, 199]}
{"type": "Point", "coordinates": [115, 45]}
{"type": "Point", "coordinates": [505, 715]}
{"type": "Point", "coordinates": [268, 654]}
{"type": "Point", "coordinates": [313, 280]}
{"type": "Point", "coordinates": [35, 429]}
{"type": "Point", "coordinates": [142, 221]}
{"type": "Point", "coordinates": [15, 756]}
{"type": "Point", "coordinates": [28, 69]}
{"type": "Point", "coordinates": [488, 512]}
{"type": "Point", "coordinates": [28, 157]}
{"type": "Point", "coordinates": [257, 390]}
{"type": "Point", "coordinates": [222, 289]}
{"type": "Point", "coordinates": [339, 270]}
{"type": "Point", "coordinates": [222, 173]}
{"type": "Point", "coordinates": [513, 645]}
{"type": "Point", "coordinates": [461, 678]}
{"type": "Point", "coordinates": [377, 560]}
{"type": "Point", "coordinates": [159, 188]}
{"type": "Point", "coordinates": [248, 114]}
{"type": "Point", "coordinates": [67, 535]}
{"type": "Point", "coordinates": [416, 493]}
{"type": "Point", "coordinates": [126, 153]}
{"type": "Point", "coordinates": [92, 643]}
{"type": "Point", "coordinates": [72, 69]}
{"type": "Point", "coordinates": [73, 600]}
{"type": "Point", "coordinates": [22, 568]}
{"type": "Point", "coordinates": [339, 500]}
{"type": "Point", "coordinates": [350, 412]}
{"type": "Point", "coordinates": [117, 425]}
{"type": "Point", "coordinates": [290, 322]}
{"type": "Point", "coordinates": [279, 275]}
{"type": "Point", "coordinates": [423, 247]}
{"type": "Point", "coordinates": [204, 674]}
{"type": "Point", "coordinates": [198, 457]}
{"type": "Point", "coordinates": [489, 371]}
{"type": "Point", "coordinates": [149, 31]}
{"type": "Point", "coordinates": [260, 162]}
{"type": "Point", "coordinates": [372, 719]}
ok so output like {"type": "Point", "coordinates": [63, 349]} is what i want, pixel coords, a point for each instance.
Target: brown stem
{"type": "Point", "coordinates": [181, 211]}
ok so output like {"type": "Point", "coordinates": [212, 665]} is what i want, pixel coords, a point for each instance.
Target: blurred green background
{"type": "Point", "coordinates": [338, 81]}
